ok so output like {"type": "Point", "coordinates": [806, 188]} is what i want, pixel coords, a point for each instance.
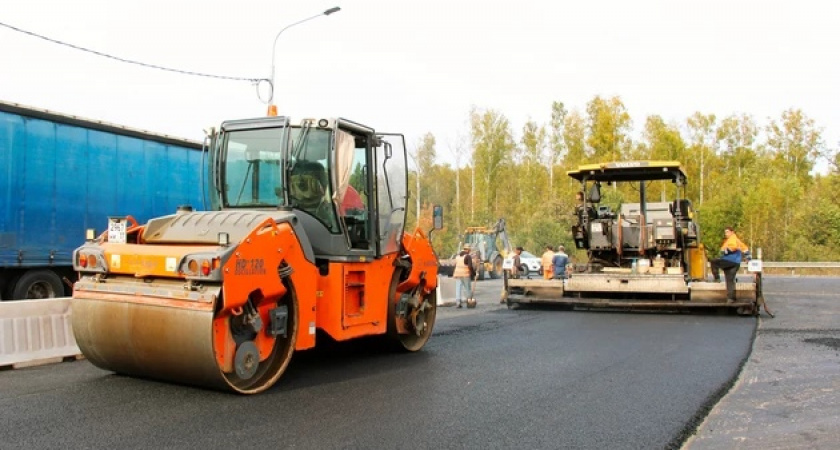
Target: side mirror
{"type": "Point", "coordinates": [437, 220]}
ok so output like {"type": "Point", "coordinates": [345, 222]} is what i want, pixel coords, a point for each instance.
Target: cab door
{"type": "Point", "coordinates": [391, 172]}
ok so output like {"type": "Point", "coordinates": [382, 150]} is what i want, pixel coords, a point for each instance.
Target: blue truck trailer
{"type": "Point", "coordinates": [61, 175]}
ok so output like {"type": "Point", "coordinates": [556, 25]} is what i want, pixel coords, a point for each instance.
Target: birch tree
{"type": "Point", "coordinates": [557, 143]}
{"type": "Point", "coordinates": [796, 141]}
{"type": "Point", "coordinates": [702, 138]}
{"type": "Point", "coordinates": [492, 148]}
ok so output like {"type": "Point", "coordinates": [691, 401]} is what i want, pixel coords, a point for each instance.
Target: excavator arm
{"type": "Point", "coordinates": [501, 234]}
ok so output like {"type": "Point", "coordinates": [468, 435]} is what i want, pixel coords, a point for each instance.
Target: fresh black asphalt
{"type": "Point", "coordinates": [488, 378]}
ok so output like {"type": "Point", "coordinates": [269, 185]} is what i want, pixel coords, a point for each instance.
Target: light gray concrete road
{"type": "Point", "coordinates": [788, 393]}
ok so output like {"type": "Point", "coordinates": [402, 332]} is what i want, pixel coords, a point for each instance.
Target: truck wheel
{"type": "Point", "coordinates": [38, 284]}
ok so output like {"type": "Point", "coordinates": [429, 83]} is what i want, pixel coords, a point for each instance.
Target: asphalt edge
{"type": "Point", "coordinates": [686, 436]}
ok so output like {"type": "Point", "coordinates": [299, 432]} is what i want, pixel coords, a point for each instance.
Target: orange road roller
{"type": "Point", "coordinates": [303, 231]}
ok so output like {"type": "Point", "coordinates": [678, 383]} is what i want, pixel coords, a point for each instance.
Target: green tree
{"type": "Point", "coordinates": [608, 124]}
{"type": "Point", "coordinates": [493, 146]}
{"type": "Point", "coordinates": [574, 136]}
{"type": "Point", "coordinates": [661, 141]}
{"type": "Point", "coordinates": [760, 183]}
{"type": "Point", "coordinates": [702, 143]}
{"type": "Point", "coordinates": [796, 142]}
{"type": "Point", "coordinates": [528, 181]}
{"type": "Point", "coordinates": [423, 157]}
{"type": "Point", "coordinates": [557, 142]}
{"type": "Point", "coordinates": [737, 137]}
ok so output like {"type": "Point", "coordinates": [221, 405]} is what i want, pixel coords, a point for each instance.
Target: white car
{"type": "Point", "coordinates": [531, 264]}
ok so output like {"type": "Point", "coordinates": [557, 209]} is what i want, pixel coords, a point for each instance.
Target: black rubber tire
{"type": "Point", "coordinates": [36, 284]}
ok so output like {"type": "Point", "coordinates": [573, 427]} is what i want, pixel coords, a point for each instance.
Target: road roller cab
{"type": "Point", "coordinates": [305, 232]}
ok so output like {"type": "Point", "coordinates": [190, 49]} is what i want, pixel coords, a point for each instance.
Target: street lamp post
{"type": "Point", "coordinates": [272, 109]}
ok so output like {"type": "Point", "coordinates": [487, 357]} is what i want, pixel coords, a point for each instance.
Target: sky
{"type": "Point", "coordinates": [419, 67]}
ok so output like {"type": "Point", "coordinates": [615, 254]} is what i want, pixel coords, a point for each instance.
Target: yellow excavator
{"type": "Point", "coordinates": [489, 245]}
{"type": "Point", "coordinates": [304, 235]}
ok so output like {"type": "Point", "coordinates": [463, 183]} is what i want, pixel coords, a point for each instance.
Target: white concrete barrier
{"type": "Point", "coordinates": [445, 291]}
{"type": "Point", "coordinates": [35, 332]}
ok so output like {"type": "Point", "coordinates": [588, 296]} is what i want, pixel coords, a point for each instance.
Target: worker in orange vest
{"type": "Point", "coordinates": [463, 274]}
{"type": "Point", "coordinates": [733, 251]}
{"type": "Point", "coordinates": [546, 258]}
